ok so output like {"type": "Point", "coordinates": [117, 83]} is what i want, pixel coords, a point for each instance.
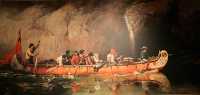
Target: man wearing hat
{"type": "Point", "coordinates": [143, 53]}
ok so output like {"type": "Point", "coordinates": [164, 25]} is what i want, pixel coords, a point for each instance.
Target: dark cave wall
{"type": "Point", "coordinates": [68, 26]}
{"type": "Point", "coordinates": [99, 25]}
{"type": "Point", "coordinates": [186, 23]}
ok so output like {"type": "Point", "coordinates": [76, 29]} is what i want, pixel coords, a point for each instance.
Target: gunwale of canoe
{"type": "Point", "coordinates": [84, 70]}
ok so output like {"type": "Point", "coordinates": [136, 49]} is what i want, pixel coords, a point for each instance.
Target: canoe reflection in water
{"type": "Point", "coordinates": [142, 84]}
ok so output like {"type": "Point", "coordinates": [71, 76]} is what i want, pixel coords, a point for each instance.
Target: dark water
{"type": "Point", "coordinates": [180, 77]}
{"type": "Point", "coordinates": [20, 84]}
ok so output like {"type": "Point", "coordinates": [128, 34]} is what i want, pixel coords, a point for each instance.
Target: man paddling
{"type": "Point", "coordinates": [30, 52]}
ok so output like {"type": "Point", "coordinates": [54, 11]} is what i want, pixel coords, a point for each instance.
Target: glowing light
{"type": "Point", "coordinates": [131, 32]}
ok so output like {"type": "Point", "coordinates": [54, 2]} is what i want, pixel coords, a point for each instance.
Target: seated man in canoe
{"type": "Point", "coordinates": [65, 59]}
{"type": "Point", "coordinates": [86, 57]}
{"type": "Point", "coordinates": [112, 56]}
{"type": "Point", "coordinates": [68, 56]}
{"type": "Point", "coordinates": [78, 58]}
{"type": "Point", "coordinates": [95, 58]}
{"type": "Point", "coordinates": [82, 57]}
{"type": "Point", "coordinates": [75, 59]}
{"type": "Point", "coordinates": [61, 60]}
{"type": "Point", "coordinates": [89, 58]}
{"type": "Point", "coordinates": [144, 53]}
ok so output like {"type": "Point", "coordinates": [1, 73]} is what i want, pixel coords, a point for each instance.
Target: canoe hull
{"type": "Point", "coordinates": [106, 69]}
{"type": "Point", "coordinates": [87, 70]}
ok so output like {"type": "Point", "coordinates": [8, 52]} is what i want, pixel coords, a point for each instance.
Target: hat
{"type": "Point", "coordinates": [81, 51]}
{"type": "Point", "coordinates": [144, 47]}
{"type": "Point", "coordinates": [113, 49]}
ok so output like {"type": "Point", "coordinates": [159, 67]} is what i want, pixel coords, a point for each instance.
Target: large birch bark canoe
{"type": "Point", "coordinates": [125, 67]}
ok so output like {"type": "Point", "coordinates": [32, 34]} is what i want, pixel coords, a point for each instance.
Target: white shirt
{"type": "Point", "coordinates": [59, 60]}
{"type": "Point", "coordinates": [111, 58]}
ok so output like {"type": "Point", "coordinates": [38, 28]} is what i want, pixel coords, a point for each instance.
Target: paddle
{"type": "Point", "coordinates": [36, 60]}
{"type": "Point", "coordinates": [35, 65]}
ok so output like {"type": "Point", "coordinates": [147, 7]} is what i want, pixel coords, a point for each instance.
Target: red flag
{"type": "Point", "coordinates": [16, 50]}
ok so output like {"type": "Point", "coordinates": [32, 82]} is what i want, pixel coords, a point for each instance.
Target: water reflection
{"type": "Point", "coordinates": [142, 84]}
{"type": "Point", "coordinates": [27, 84]}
